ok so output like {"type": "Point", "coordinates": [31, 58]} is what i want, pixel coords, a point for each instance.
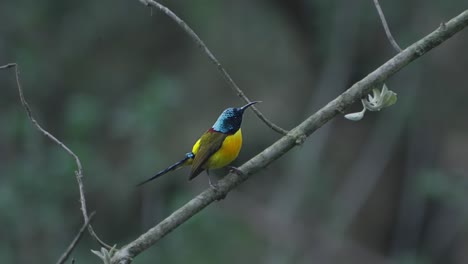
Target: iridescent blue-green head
{"type": "Point", "coordinates": [230, 119]}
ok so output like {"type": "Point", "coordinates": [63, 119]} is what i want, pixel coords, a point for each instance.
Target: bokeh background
{"type": "Point", "coordinates": [129, 92]}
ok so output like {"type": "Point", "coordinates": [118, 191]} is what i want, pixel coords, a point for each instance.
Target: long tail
{"type": "Point", "coordinates": [173, 167]}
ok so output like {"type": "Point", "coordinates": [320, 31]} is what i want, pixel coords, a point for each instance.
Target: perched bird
{"type": "Point", "coordinates": [216, 148]}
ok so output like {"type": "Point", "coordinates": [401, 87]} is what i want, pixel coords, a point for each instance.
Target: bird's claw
{"type": "Point", "coordinates": [215, 187]}
{"type": "Point", "coordinates": [212, 185]}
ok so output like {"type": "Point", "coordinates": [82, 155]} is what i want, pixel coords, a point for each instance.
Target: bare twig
{"type": "Point", "coordinates": [75, 241]}
{"type": "Point", "coordinates": [9, 65]}
{"type": "Point", "coordinates": [386, 28]}
{"type": "Point", "coordinates": [202, 46]}
{"type": "Point", "coordinates": [78, 172]}
{"type": "Point", "coordinates": [292, 139]}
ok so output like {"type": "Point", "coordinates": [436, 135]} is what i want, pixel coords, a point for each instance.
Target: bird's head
{"type": "Point", "coordinates": [230, 119]}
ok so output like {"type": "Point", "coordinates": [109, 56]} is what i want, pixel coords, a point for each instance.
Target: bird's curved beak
{"type": "Point", "coordinates": [249, 104]}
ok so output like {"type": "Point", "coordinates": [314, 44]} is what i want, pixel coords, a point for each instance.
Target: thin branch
{"type": "Point", "coordinates": [202, 46]}
{"type": "Point", "coordinates": [75, 241]}
{"type": "Point", "coordinates": [6, 66]}
{"type": "Point", "coordinates": [386, 28]}
{"type": "Point", "coordinates": [295, 137]}
{"type": "Point", "coordinates": [78, 172]}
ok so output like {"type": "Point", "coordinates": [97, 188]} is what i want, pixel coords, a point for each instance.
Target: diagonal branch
{"type": "Point", "coordinates": [294, 137]}
{"type": "Point", "coordinates": [78, 172]}
{"type": "Point", "coordinates": [202, 46]}
{"type": "Point", "coordinates": [386, 28]}
{"type": "Point", "coordinates": [75, 241]}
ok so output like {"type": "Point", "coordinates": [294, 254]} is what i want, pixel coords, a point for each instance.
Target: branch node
{"type": "Point", "coordinates": [300, 139]}
{"type": "Point", "coordinates": [297, 137]}
{"type": "Point", "coordinates": [419, 51]}
{"type": "Point", "coordinates": [443, 26]}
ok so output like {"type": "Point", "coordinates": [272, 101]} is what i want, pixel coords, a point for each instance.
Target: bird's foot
{"type": "Point", "coordinates": [236, 170]}
{"type": "Point", "coordinates": [212, 185]}
{"type": "Point", "coordinates": [215, 187]}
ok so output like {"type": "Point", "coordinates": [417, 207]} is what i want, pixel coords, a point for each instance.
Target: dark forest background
{"type": "Point", "coordinates": [129, 92]}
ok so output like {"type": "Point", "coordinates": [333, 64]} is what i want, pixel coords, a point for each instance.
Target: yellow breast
{"type": "Point", "coordinates": [226, 154]}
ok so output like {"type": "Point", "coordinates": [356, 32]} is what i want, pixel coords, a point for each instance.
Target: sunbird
{"type": "Point", "coordinates": [216, 148]}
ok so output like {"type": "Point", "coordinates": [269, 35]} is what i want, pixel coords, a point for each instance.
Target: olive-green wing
{"type": "Point", "coordinates": [210, 142]}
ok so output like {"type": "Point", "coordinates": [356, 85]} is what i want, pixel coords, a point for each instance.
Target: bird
{"type": "Point", "coordinates": [216, 148]}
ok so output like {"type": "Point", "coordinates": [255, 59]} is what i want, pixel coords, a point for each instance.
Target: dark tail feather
{"type": "Point", "coordinates": [173, 167]}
